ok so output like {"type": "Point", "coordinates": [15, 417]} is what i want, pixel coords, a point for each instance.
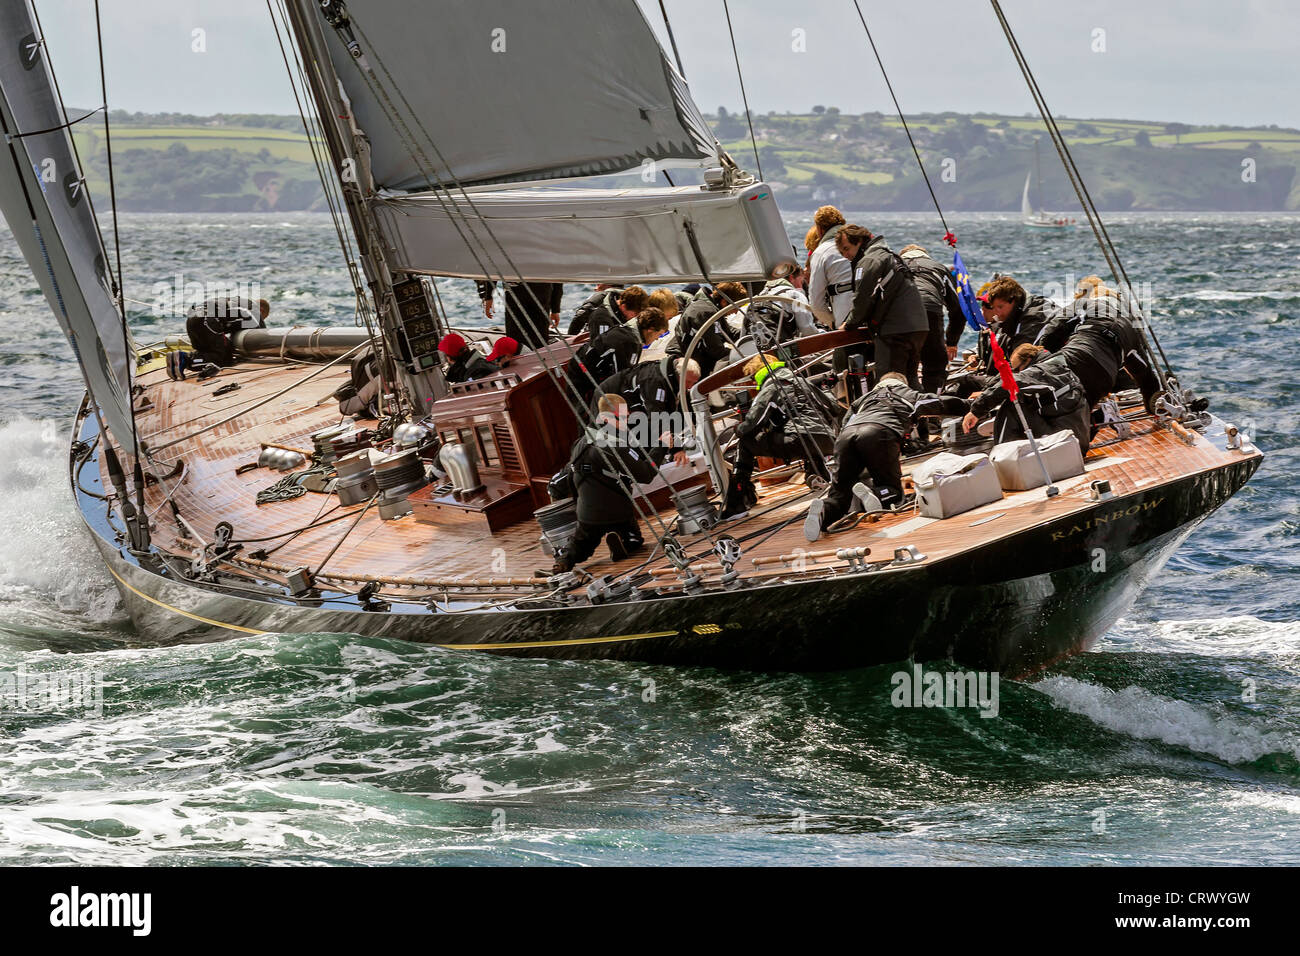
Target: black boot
{"type": "Point", "coordinates": [617, 550]}
{"type": "Point", "coordinates": [736, 503]}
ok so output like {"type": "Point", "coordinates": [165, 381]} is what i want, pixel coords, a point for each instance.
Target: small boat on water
{"type": "Point", "coordinates": [1032, 214]}
{"type": "Point", "coordinates": [246, 503]}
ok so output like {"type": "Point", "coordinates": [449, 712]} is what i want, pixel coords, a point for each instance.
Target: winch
{"type": "Point", "coordinates": [559, 523]}
{"type": "Point", "coordinates": [397, 475]}
{"type": "Point", "coordinates": [356, 478]}
{"type": "Point", "coordinates": [695, 512]}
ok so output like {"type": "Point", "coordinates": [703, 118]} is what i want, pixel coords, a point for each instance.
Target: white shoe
{"type": "Point", "coordinates": [812, 525]}
{"type": "Point", "coordinates": [867, 498]}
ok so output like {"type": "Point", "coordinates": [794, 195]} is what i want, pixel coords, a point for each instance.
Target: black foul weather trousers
{"type": "Point", "coordinates": [869, 453]}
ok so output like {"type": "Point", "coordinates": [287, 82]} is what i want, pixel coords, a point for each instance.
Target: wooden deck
{"type": "Point", "coordinates": [437, 558]}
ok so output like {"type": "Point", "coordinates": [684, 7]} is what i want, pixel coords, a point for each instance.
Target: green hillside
{"type": "Point", "coordinates": [866, 162]}
{"type": "Point", "coordinates": [236, 163]}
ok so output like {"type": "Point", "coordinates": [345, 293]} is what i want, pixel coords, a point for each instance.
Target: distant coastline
{"type": "Point", "coordinates": [263, 163]}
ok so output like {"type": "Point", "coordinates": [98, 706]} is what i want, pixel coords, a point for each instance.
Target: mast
{"type": "Point", "coordinates": [1038, 178]}
{"type": "Point", "coordinates": [350, 150]}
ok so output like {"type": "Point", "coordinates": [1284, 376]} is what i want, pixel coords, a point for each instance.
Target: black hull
{"type": "Point", "coordinates": [1013, 606]}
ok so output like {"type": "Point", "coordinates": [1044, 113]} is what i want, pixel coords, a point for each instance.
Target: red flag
{"type": "Point", "coordinates": [1004, 368]}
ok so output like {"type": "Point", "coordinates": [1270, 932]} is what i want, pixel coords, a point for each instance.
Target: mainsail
{"type": "Point", "coordinates": [510, 90]}
{"type": "Point", "coordinates": [457, 119]}
{"type": "Point", "coordinates": [1026, 207]}
{"type": "Point", "coordinates": [43, 199]}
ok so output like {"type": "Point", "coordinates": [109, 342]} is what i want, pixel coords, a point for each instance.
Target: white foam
{"type": "Point", "coordinates": [1139, 713]}
{"type": "Point", "coordinates": [44, 548]}
{"type": "Point", "coordinates": [1242, 636]}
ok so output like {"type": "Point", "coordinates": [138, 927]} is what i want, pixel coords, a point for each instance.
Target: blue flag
{"type": "Point", "coordinates": [970, 305]}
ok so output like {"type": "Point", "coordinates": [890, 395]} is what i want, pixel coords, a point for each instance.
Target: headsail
{"type": "Point", "coordinates": [510, 90]}
{"type": "Point", "coordinates": [1026, 208]}
{"type": "Point", "coordinates": [43, 199]}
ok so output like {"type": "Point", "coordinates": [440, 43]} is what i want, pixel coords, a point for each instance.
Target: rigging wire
{"type": "Point", "coordinates": [576, 405]}
{"type": "Point", "coordinates": [743, 98]}
{"type": "Point", "coordinates": [672, 39]}
{"type": "Point", "coordinates": [948, 235]}
{"type": "Point", "coordinates": [1102, 235]}
{"type": "Point", "coordinates": [329, 187]}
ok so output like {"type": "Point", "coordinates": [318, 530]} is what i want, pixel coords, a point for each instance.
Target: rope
{"type": "Point", "coordinates": [1107, 246]}
{"type": "Point", "coordinates": [575, 404]}
{"type": "Point", "coordinates": [743, 98]}
{"type": "Point", "coordinates": [68, 125]}
{"type": "Point", "coordinates": [948, 236]}
{"type": "Point", "coordinates": [672, 39]}
{"type": "Point", "coordinates": [259, 404]}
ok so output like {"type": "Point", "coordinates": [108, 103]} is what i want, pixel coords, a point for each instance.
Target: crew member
{"type": "Point", "coordinates": [885, 302]}
{"type": "Point", "coordinates": [532, 308]}
{"type": "Point", "coordinates": [1021, 317]}
{"type": "Point", "coordinates": [713, 347]}
{"type": "Point", "coordinates": [615, 349]}
{"type": "Point", "coordinates": [602, 459]}
{"type": "Point", "coordinates": [788, 419]}
{"type": "Point", "coordinates": [938, 294]}
{"type": "Point", "coordinates": [830, 276]}
{"type": "Point", "coordinates": [607, 307]}
{"type": "Point", "coordinates": [1105, 349]}
{"type": "Point", "coordinates": [465, 363]}
{"type": "Point", "coordinates": [868, 451]}
{"type": "Point", "coordinates": [1051, 398]}
{"type": "Point", "coordinates": [210, 326]}
{"type": "Point", "coordinates": [650, 390]}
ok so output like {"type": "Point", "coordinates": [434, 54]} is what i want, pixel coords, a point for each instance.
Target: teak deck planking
{"type": "Point", "coordinates": [461, 549]}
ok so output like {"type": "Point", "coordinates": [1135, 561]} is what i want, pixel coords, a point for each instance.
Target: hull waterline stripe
{"type": "Point", "coordinates": [195, 617]}
{"type": "Point", "coordinates": [468, 647]}
{"type": "Point", "coordinates": [566, 643]}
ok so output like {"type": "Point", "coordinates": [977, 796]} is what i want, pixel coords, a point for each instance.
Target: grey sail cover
{"type": "Point", "coordinates": [512, 90]}
{"type": "Point", "coordinates": [43, 199]}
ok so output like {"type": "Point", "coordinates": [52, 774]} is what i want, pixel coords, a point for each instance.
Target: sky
{"type": "Point", "coordinates": [1193, 61]}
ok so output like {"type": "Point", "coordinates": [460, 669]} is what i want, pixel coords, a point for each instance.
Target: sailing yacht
{"type": "Point", "coordinates": [1032, 214]}
{"type": "Point", "coordinates": [445, 131]}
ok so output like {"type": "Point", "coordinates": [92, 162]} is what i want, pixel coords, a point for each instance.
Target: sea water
{"type": "Point", "coordinates": [1177, 740]}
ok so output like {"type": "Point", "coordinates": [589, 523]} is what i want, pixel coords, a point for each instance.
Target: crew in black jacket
{"type": "Point", "coordinates": [607, 307]}
{"type": "Point", "coordinates": [789, 419]}
{"type": "Point", "coordinates": [650, 389]}
{"type": "Point", "coordinates": [615, 349]}
{"type": "Point", "coordinates": [466, 363]}
{"type": "Point", "coordinates": [1022, 318]}
{"type": "Point", "coordinates": [531, 309]}
{"type": "Point", "coordinates": [869, 447]}
{"type": "Point", "coordinates": [713, 347]}
{"type": "Point", "coordinates": [1051, 399]}
{"type": "Point", "coordinates": [886, 302]}
{"type": "Point", "coordinates": [602, 460]}
{"type": "Point", "coordinates": [938, 295]}
{"type": "Point", "coordinates": [1103, 347]}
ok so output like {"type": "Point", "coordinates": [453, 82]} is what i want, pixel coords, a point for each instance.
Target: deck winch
{"type": "Point", "coordinates": [397, 475]}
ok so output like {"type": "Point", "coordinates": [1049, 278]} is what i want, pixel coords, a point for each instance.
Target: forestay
{"type": "Point", "coordinates": [44, 201]}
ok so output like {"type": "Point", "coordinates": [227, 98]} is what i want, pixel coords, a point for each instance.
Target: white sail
{"type": "Point", "coordinates": [43, 199]}
{"type": "Point", "coordinates": [591, 235]}
{"type": "Point", "coordinates": [1026, 208]}
{"type": "Point", "coordinates": [495, 91]}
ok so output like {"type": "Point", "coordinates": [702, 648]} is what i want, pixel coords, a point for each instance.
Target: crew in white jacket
{"type": "Point", "coordinates": [830, 276]}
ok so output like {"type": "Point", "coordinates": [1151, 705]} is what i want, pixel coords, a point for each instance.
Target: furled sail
{"type": "Point", "coordinates": [590, 235]}
{"type": "Point", "coordinates": [498, 91]}
{"type": "Point", "coordinates": [43, 199]}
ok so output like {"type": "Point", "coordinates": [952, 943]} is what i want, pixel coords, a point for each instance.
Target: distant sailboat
{"type": "Point", "coordinates": [1031, 213]}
